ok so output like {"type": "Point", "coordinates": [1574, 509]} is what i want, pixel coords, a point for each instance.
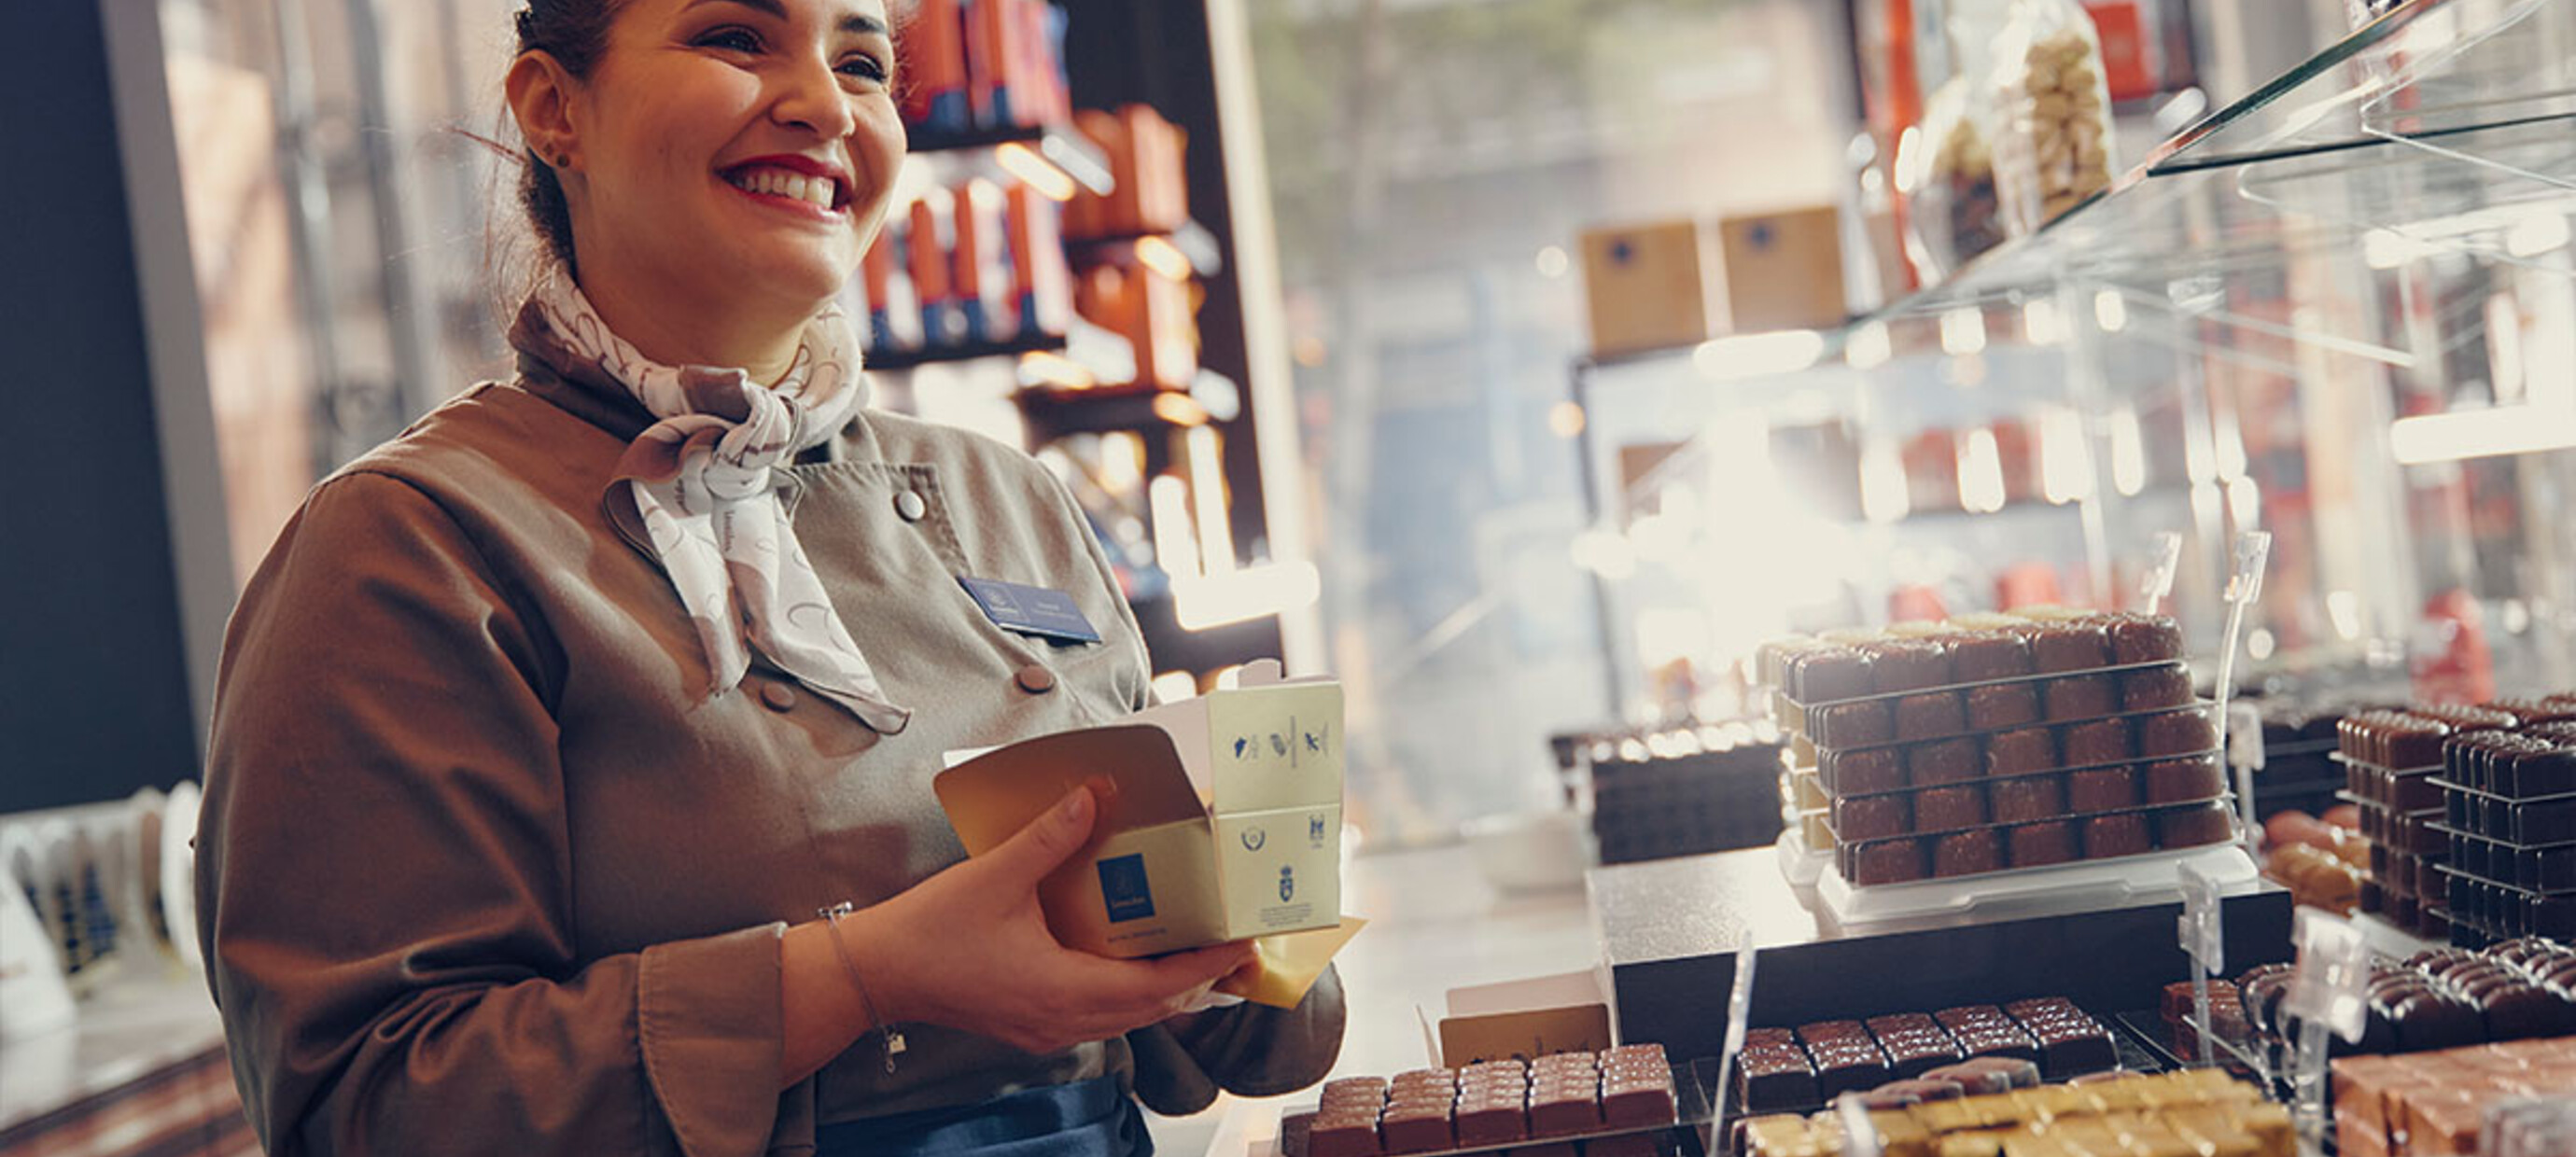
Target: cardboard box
{"type": "Point", "coordinates": [1645, 286]}
{"type": "Point", "coordinates": [1223, 822]}
{"type": "Point", "coordinates": [1783, 270]}
{"type": "Point", "coordinates": [1568, 1012]}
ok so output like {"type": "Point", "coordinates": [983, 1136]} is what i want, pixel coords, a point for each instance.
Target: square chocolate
{"type": "Point", "coordinates": [2101, 789]}
{"type": "Point", "coordinates": [1888, 862]}
{"type": "Point", "coordinates": [2079, 697]}
{"type": "Point", "coordinates": [1968, 853]}
{"type": "Point", "coordinates": [1332, 1135]}
{"type": "Point", "coordinates": [2002, 705]}
{"type": "Point", "coordinates": [1416, 1128]}
{"type": "Point", "coordinates": [2152, 687]}
{"type": "Point", "coordinates": [1565, 1110]}
{"type": "Point", "coordinates": [1949, 809]}
{"type": "Point", "coordinates": [2020, 752]}
{"type": "Point", "coordinates": [1491, 1120]}
{"type": "Point", "coordinates": [2195, 826]}
{"type": "Point", "coordinates": [1983, 655]}
{"type": "Point", "coordinates": [2073, 646]}
{"type": "Point", "coordinates": [1941, 761]}
{"type": "Point", "coordinates": [2185, 780]}
{"type": "Point", "coordinates": [1827, 675]}
{"type": "Point", "coordinates": [1771, 1080]}
{"type": "Point", "coordinates": [2137, 638]}
{"type": "Point", "coordinates": [1637, 1102]}
{"type": "Point", "coordinates": [1930, 715]}
{"type": "Point", "coordinates": [2098, 742]}
{"type": "Point", "coordinates": [2027, 799]}
{"type": "Point", "coordinates": [2177, 733]}
{"type": "Point", "coordinates": [1871, 817]}
{"type": "Point", "coordinates": [2038, 845]}
{"type": "Point", "coordinates": [1861, 772]}
{"type": "Point", "coordinates": [2116, 835]}
{"type": "Point", "coordinates": [1907, 665]}
{"type": "Point", "coordinates": [1854, 724]}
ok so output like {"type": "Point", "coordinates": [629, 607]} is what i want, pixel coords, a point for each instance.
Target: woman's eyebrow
{"type": "Point", "coordinates": [856, 23]}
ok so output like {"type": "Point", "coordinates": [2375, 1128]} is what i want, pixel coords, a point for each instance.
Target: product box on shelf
{"type": "Point", "coordinates": [1782, 270]}
{"type": "Point", "coordinates": [2453, 798]}
{"type": "Point", "coordinates": [1224, 824]}
{"type": "Point", "coordinates": [1646, 287]}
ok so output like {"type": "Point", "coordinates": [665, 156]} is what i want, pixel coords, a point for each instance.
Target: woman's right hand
{"type": "Point", "coordinates": [969, 948]}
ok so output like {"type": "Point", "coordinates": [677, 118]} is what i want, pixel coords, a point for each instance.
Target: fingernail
{"type": "Point", "coordinates": [1102, 787]}
{"type": "Point", "coordinates": [1072, 806]}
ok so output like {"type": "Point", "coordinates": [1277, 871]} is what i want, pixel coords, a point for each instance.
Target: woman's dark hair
{"type": "Point", "coordinates": [575, 33]}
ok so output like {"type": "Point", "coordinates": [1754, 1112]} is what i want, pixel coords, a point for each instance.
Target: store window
{"type": "Point", "coordinates": [1432, 165]}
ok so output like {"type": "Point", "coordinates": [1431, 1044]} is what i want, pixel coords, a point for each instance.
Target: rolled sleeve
{"type": "Point", "coordinates": [708, 1014]}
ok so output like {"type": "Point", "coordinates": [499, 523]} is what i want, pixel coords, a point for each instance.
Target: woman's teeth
{"type": "Point", "coordinates": [816, 191]}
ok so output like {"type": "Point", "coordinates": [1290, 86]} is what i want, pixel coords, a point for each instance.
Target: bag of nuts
{"type": "Point", "coordinates": [2054, 146]}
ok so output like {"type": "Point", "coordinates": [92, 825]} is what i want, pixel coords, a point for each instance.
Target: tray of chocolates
{"type": "Point", "coordinates": [1910, 1057]}
{"type": "Point", "coordinates": [2442, 998]}
{"type": "Point", "coordinates": [1621, 1102]}
{"type": "Point", "coordinates": [2201, 1111]}
{"type": "Point", "coordinates": [2440, 1103]}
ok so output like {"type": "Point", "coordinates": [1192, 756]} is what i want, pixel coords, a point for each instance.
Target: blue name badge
{"type": "Point", "coordinates": [1031, 610]}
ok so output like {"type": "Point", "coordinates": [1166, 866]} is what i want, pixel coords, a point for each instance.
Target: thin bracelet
{"type": "Point", "coordinates": [893, 1036]}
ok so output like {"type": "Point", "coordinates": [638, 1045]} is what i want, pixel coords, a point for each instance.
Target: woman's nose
{"type": "Point", "coordinates": [811, 98]}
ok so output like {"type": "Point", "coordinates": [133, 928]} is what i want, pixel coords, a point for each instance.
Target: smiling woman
{"type": "Point", "coordinates": [610, 764]}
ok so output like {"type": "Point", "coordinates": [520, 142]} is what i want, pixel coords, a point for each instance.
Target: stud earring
{"type": "Point", "coordinates": [563, 160]}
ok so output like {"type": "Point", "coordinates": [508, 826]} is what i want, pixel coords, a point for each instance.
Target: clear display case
{"type": "Point", "coordinates": [2342, 310]}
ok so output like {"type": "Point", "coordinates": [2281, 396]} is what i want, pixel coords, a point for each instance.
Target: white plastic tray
{"type": "Point", "coordinates": [1800, 865]}
{"type": "Point", "coordinates": [2098, 883]}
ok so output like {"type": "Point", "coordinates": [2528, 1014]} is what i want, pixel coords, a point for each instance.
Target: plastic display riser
{"type": "Point", "coordinates": [2110, 959]}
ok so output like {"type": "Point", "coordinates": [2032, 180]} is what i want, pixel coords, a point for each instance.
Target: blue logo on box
{"type": "Point", "coordinates": [1123, 888]}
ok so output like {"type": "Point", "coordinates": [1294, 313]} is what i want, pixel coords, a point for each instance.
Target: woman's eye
{"type": "Point", "coordinates": [865, 68]}
{"type": "Point", "coordinates": [731, 40]}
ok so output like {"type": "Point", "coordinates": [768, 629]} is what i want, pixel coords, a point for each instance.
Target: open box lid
{"type": "Point", "coordinates": [1530, 1017]}
{"type": "Point", "coordinates": [1266, 745]}
{"type": "Point", "coordinates": [991, 796]}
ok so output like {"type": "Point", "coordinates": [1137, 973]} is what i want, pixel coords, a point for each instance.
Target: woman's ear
{"type": "Point", "coordinates": [541, 97]}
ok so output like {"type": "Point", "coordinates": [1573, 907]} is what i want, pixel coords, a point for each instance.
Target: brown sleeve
{"type": "Point", "coordinates": [1250, 1050]}
{"type": "Point", "coordinates": [384, 878]}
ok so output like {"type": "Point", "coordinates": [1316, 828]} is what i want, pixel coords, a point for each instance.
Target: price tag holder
{"type": "Point", "coordinates": [2244, 586]}
{"type": "Point", "coordinates": [2204, 941]}
{"type": "Point", "coordinates": [1739, 1017]}
{"type": "Point", "coordinates": [2159, 578]}
{"type": "Point", "coordinates": [2244, 736]}
{"type": "Point", "coordinates": [2329, 992]}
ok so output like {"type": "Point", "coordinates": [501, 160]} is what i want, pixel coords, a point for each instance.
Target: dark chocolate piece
{"type": "Point", "coordinates": [2154, 687]}
{"type": "Point", "coordinates": [1344, 1134]}
{"type": "Point", "coordinates": [2185, 780]}
{"type": "Point", "coordinates": [2002, 705]}
{"type": "Point", "coordinates": [1862, 772]}
{"type": "Point", "coordinates": [1871, 817]}
{"type": "Point", "coordinates": [2021, 752]}
{"type": "Point", "coordinates": [1984, 655]}
{"type": "Point", "coordinates": [1888, 862]}
{"type": "Point", "coordinates": [1914, 1043]}
{"type": "Point", "coordinates": [2098, 742]}
{"type": "Point", "coordinates": [2195, 826]}
{"type": "Point", "coordinates": [1855, 724]}
{"type": "Point", "coordinates": [1897, 665]}
{"type": "Point", "coordinates": [1983, 1030]}
{"type": "Point", "coordinates": [2116, 835]}
{"type": "Point", "coordinates": [1948, 809]}
{"type": "Point", "coordinates": [2137, 638]}
{"type": "Point", "coordinates": [1826, 675]}
{"type": "Point", "coordinates": [2027, 799]}
{"type": "Point", "coordinates": [1968, 853]}
{"type": "Point", "coordinates": [1566, 1108]}
{"type": "Point", "coordinates": [1369, 1091]}
{"type": "Point", "coordinates": [1770, 1080]}
{"type": "Point", "coordinates": [2070, 1042]}
{"type": "Point", "coordinates": [1491, 1117]}
{"type": "Point", "coordinates": [1941, 761]}
{"type": "Point", "coordinates": [2080, 697]}
{"type": "Point", "coordinates": [1930, 715]}
{"type": "Point", "coordinates": [2075, 646]}
{"type": "Point", "coordinates": [2431, 1020]}
{"type": "Point", "coordinates": [2038, 845]}
{"type": "Point", "coordinates": [2176, 733]}
{"type": "Point", "coordinates": [1416, 1128]}
{"type": "Point", "coordinates": [2101, 789]}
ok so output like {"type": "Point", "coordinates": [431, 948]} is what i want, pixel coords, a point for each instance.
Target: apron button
{"type": "Point", "coordinates": [779, 696]}
{"type": "Point", "coordinates": [910, 506]}
{"type": "Point", "coordinates": [1036, 680]}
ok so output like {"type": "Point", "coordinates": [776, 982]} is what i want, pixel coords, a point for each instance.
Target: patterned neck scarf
{"type": "Point", "coordinates": [702, 478]}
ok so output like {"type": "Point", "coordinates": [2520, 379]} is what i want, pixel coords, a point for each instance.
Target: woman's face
{"type": "Point", "coordinates": [741, 147]}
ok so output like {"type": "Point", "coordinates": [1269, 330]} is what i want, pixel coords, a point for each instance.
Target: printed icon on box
{"type": "Point", "coordinates": [1315, 740]}
{"type": "Point", "coordinates": [1124, 890]}
{"type": "Point", "coordinates": [1278, 744]}
{"type": "Point", "coordinates": [1244, 746]}
{"type": "Point", "coordinates": [1315, 830]}
{"type": "Point", "coordinates": [1287, 882]}
{"type": "Point", "coordinates": [1254, 839]}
